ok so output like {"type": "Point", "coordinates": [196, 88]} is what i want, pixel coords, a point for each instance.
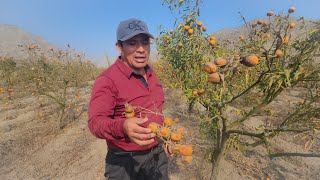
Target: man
{"type": "Point", "coordinates": [133, 152]}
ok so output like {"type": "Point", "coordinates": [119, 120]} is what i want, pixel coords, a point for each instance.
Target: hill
{"type": "Point", "coordinates": [12, 36]}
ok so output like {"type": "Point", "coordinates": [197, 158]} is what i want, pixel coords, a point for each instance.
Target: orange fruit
{"type": "Point", "coordinates": [195, 93]}
{"type": "Point", "coordinates": [175, 136]}
{"type": "Point", "coordinates": [251, 60]}
{"type": "Point", "coordinates": [267, 36]}
{"type": "Point", "coordinates": [264, 22]}
{"type": "Point", "coordinates": [186, 27]}
{"type": "Point", "coordinates": [241, 38]}
{"type": "Point", "coordinates": [270, 13]}
{"type": "Point", "coordinates": [186, 150]}
{"type": "Point", "coordinates": [180, 44]}
{"type": "Point", "coordinates": [181, 130]}
{"type": "Point", "coordinates": [165, 45]}
{"type": "Point", "coordinates": [214, 78]}
{"type": "Point", "coordinates": [164, 132]}
{"type": "Point", "coordinates": [129, 115]}
{"type": "Point", "coordinates": [204, 29]}
{"type": "Point", "coordinates": [212, 41]}
{"type": "Point", "coordinates": [200, 91]}
{"type": "Point", "coordinates": [176, 149]}
{"type": "Point", "coordinates": [128, 108]}
{"type": "Point", "coordinates": [279, 53]}
{"type": "Point", "coordinates": [171, 31]}
{"type": "Point", "coordinates": [199, 23]}
{"type": "Point", "coordinates": [190, 31]}
{"type": "Point", "coordinates": [210, 67]}
{"type": "Point", "coordinates": [168, 122]}
{"type": "Point", "coordinates": [167, 37]}
{"type": "Point", "coordinates": [292, 25]}
{"type": "Point", "coordinates": [291, 9]}
{"type": "Point", "coordinates": [220, 61]}
{"type": "Point", "coordinates": [286, 40]}
{"type": "Point", "coordinates": [154, 127]}
{"type": "Point", "coordinates": [186, 160]}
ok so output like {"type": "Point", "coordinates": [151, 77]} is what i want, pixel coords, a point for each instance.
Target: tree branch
{"type": "Point", "coordinates": [246, 90]}
{"type": "Point", "coordinates": [260, 135]}
{"type": "Point", "coordinates": [295, 154]}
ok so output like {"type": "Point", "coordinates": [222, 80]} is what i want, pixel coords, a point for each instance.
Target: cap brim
{"type": "Point", "coordinates": [134, 34]}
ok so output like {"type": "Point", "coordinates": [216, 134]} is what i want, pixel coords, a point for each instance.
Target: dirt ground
{"type": "Point", "coordinates": [33, 147]}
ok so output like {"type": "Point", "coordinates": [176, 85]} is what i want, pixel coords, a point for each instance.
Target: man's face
{"type": "Point", "coordinates": [136, 51]}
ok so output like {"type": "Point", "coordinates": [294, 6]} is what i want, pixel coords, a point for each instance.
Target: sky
{"type": "Point", "coordinates": [90, 25]}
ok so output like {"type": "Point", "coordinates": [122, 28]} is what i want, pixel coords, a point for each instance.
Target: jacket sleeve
{"type": "Point", "coordinates": [101, 109]}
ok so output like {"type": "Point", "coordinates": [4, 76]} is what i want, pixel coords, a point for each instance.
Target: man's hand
{"type": "Point", "coordinates": [137, 134]}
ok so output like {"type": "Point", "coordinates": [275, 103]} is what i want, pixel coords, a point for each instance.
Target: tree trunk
{"type": "Point", "coordinates": [218, 154]}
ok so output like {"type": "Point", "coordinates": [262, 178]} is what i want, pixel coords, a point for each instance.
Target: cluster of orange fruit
{"type": "Point", "coordinates": [190, 31]}
{"type": "Point", "coordinates": [171, 135]}
{"type": "Point", "coordinates": [253, 60]}
{"type": "Point", "coordinates": [212, 67]}
{"type": "Point", "coordinates": [197, 92]}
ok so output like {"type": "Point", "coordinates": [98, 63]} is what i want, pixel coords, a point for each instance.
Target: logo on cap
{"type": "Point", "coordinates": [135, 25]}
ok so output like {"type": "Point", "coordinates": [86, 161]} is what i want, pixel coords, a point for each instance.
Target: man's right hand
{"type": "Point", "coordinates": [137, 134]}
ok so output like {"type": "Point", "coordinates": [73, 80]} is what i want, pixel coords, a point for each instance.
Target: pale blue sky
{"type": "Point", "coordinates": [90, 25]}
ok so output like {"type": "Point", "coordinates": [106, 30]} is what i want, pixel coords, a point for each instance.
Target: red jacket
{"type": "Point", "coordinates": [112, 89]}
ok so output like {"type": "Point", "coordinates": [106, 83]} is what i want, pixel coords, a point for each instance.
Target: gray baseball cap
{"type": "Point", "coordinates": [131, 27]}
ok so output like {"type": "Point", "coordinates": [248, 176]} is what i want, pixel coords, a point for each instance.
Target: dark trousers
{"type": "Point", "coordinates": [148, 165]}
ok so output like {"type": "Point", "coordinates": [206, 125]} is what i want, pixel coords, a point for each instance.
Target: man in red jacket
{"type": "Point", "coordinates": [133, 152]}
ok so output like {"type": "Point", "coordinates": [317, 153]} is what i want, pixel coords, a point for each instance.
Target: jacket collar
{"type": "Point", "coordinates": [127, 71]}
